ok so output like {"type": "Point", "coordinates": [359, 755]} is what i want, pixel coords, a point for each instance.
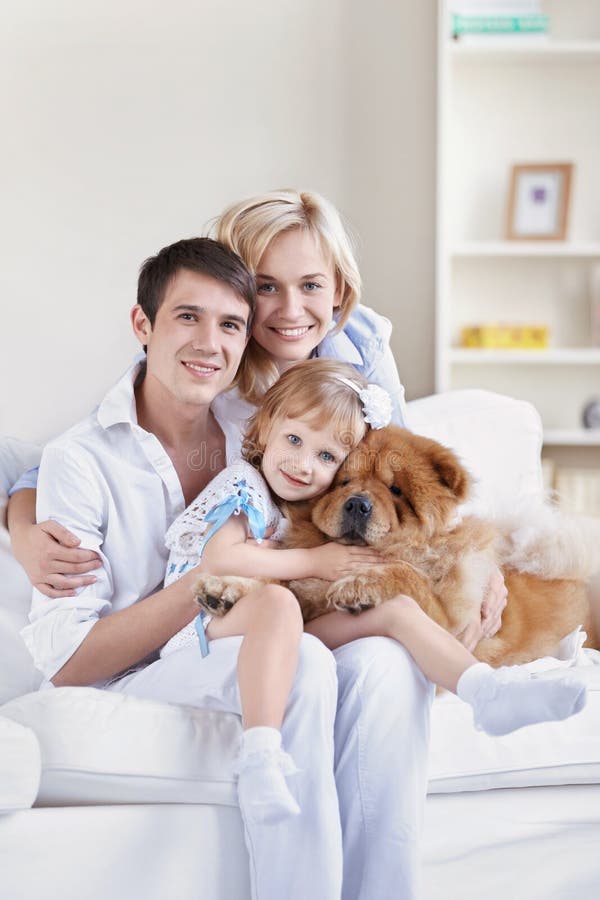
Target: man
{"type": "Point", "coordinates": [117, 481]}
{"type": "Point", "coordinates": [120, 477]}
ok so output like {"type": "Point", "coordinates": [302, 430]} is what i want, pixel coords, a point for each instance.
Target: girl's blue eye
{"type": "Point", "coordinates": [311, 285]}
{"type": "Point", "coordinates": [294, 439]}
{"type": "Point", "coordinates": [327, 456]}
{"type": "Point", "coordinates": [266, 288]}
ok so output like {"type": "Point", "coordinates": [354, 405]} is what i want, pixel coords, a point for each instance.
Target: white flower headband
{"type": "Point", "coordinates": [377, 405]}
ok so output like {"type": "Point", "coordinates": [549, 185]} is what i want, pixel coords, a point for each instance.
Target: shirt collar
{"type": "Point", "coordinates": [119, 403]}
{"type": "Point", "coordinates": [337, 345]}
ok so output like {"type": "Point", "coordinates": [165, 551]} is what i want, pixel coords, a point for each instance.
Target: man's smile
{"type": "Point", "coordinates": [201, 369]}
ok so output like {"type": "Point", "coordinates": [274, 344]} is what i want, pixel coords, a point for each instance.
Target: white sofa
{"type": "Point", "coordinates": [107, 796]}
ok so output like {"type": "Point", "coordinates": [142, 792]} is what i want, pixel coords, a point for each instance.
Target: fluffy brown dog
{"type": "Point", "coordinates": [400, 492]}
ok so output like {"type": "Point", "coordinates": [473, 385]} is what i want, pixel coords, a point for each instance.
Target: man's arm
{"type": "Point", "coordinates": [48, 552]}
{"type": "Point", "coordinates": [80, 640]}
{"type": "Point", "coordinates": [121, 639]}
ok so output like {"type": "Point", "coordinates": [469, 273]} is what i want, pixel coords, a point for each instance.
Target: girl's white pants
{"type": "Point", "coordinates": [357, 727]}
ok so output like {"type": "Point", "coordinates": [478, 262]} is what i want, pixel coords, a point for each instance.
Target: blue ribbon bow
{"type": "Point", "coordinates": [236, 503]}
{"type": "Point", "coordinates": [217, 516]}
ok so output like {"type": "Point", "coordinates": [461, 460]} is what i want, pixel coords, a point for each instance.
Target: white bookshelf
{"type": "Point", "coordinates": [563, 356]}
{"type": "Point", "coordinates": [524, 50]}
{"type": "Point", "coordinates": [571, 437]}
{"type": "Point", "coordinates": [505, 101]}
{"type": "Point", "coordinates": [524, 249]}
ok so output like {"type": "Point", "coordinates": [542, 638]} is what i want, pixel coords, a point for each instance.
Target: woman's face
{"type": "Point", "coordinates": [297, 294]}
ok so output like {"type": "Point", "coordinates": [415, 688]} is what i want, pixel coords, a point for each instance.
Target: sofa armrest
{"type": "Point", "coordinates": [20, 766]}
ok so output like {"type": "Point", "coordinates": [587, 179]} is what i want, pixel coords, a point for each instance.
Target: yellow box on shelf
{"type": "Point", "coordinates": [505, 337]}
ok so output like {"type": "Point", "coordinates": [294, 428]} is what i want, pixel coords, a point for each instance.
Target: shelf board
{"type": "Point", "coordinates": [512, 249]}
{"type": "Point", "coordinates": [572, 437]}
{"type": "Point", "coordinates": [578, 356]}
{"type": "Point", "coordinates": [517, 49]}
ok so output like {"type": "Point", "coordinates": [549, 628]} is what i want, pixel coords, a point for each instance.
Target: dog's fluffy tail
{"type": "Point", "coordinates": [550, 544]}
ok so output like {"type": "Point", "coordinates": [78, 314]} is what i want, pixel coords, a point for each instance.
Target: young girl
{"type": "Point", "coordinates": [308, 423]}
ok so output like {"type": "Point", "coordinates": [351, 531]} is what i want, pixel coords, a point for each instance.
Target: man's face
{"type": "Point", "coordinates": [197, 341]}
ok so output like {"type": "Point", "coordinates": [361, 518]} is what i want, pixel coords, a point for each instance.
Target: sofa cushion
{"type": "Point", "coordinates": [463, 759]}
{"type": "Point", "coordinates": [104, 747]}
{"type": "Point", "coordinates": [498, 438]}
{"type": "Point", "coordinates": [17, 672]}
{"type": "Point", "coordinates": [20, 766]}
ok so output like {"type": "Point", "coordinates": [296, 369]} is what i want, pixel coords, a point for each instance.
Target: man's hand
{"type": "Point", "coordinates": [488, 620]}
{"type": "Point", "coordinates": [48, 553]}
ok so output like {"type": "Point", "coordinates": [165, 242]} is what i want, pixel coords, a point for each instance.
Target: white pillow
{"type": "Point", "coordinates": [499, 440]}
{"type": "Point", "coordinates": [17, 672]}
{"type": "Point", "coordinates": [15, 458]}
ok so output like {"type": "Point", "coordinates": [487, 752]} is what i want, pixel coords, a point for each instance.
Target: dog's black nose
{"type": "Point", "coordinates": [358, 506]}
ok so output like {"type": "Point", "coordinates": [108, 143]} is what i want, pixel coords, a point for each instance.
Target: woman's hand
{"type": "Point", "coordinates": [489, 619]}
{"type": "Point", "coordinates": [494, 604]}
{"type": "Point", "coordinates": [48, 553]}
{"type": "Point", "coordinates": [333, 561]}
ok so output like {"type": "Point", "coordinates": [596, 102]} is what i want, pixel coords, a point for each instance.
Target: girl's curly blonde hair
{"type": "Point", "coordinates": [313, 392]}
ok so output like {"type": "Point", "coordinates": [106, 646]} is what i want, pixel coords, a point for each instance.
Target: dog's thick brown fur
{"type": "Point", "coordinates": [399, 492]}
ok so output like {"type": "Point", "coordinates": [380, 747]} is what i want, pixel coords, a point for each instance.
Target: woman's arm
{"type": "Point", "coordinates": [48, 552]}
{"type": "Point", "coordinates": [228, 553]}
{"type": "Point", "coordinates": [488, 619]}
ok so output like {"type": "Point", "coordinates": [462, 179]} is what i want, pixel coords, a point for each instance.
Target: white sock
{"type": "Point", "coordinates": [262, 765]}
{"type": "Point", "coordinates": [509, 698]}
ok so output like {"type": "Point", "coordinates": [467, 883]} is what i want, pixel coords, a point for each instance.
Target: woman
{"type": "Point", "coordinates": [308, 304]}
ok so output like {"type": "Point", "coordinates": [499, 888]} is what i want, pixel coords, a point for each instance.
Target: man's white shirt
{"type": "Point", "coordinates": [114, 486]}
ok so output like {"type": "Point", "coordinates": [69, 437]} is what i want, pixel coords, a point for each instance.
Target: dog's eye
{"type": "Point", "coordinates": [395, 490]}
{"type": "Point", "coordinates": [344, 482]}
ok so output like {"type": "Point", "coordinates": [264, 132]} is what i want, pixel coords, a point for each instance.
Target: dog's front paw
{"type": "Point", "coordinates": [353, 594]}
{"type": "Point", "coordinates": [217, 594]}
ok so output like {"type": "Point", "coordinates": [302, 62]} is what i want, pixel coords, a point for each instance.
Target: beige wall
{"type": "Point", "coordinates": [130, 124]}
{"type": "Point", "coordinates": [390, 197]}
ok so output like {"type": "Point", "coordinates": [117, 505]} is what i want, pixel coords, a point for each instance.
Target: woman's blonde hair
{"type": "Point", "coordinates": [249, 227]}
{"type": "Point", "coordinates": [314, 392]}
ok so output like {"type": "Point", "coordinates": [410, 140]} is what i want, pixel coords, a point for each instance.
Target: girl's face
{"type": "Point", "coordinates": [297, 294]}
{"type": "Point", "coordinates": [300, 461]}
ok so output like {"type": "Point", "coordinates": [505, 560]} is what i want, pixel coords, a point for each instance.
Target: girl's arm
{"type": "Point", "coordinates": [227, 553]}
{"type": "Point", "coordinates": [48, 552]}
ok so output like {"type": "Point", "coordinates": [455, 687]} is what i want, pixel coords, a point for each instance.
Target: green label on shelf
{"type": "Point", "coordinates": [462, 24]}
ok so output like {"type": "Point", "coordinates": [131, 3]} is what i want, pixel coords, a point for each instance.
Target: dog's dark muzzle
{"type": "Point", "coordinates": [356, 514]}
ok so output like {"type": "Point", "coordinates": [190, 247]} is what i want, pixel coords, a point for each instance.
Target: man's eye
{"type": "Point", "coordinates": [395, 490]}
{"type": "Point", "coordinates": [294, 439]}
{"type": "Point", "coordinates": [232, 326]}
{"type": "Point", "coordinates": [189, 317]}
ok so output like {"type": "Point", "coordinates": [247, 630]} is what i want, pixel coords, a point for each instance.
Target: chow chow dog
{"type": "Point", "coordinates": [401, 493]}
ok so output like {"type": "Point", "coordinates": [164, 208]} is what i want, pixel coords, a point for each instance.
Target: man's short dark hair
{"type": "Point", "coordinates": [203, 255]}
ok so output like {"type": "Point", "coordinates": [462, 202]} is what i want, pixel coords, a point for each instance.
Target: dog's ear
{"type": "Point", "coordinates": [450, 472]}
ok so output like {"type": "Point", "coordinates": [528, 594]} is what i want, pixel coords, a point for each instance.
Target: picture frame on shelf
{"type": "Point", "coordinates": [538, 201]}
